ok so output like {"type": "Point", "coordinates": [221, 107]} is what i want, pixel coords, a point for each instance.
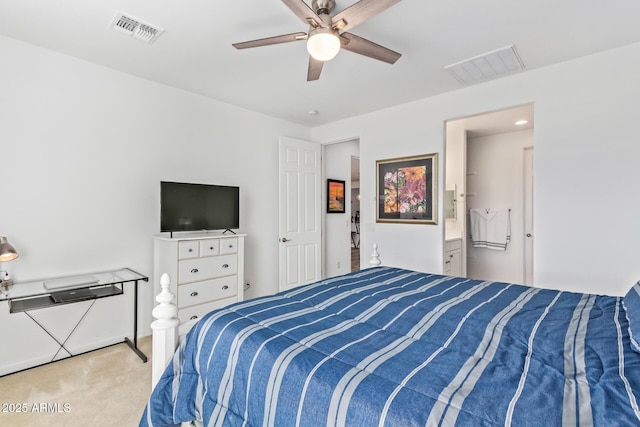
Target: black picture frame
{"type": "Point", "coordinates": [335, 196]}
{"type": "Point", "coordinates": [407, 189]}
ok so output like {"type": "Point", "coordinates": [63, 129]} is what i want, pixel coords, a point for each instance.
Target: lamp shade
{"type": "Point", "coordinates": [7, 252]}
{"type": "Point", "coordinates": [323, 44]}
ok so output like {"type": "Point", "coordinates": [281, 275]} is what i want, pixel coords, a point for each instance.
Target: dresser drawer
{"type": "Point", "coordinates": [188, 249]}
{"type": "Point", "coordinates": [193, 270]}
{"type": "Point", "coordinates": [228, 246]}
{"type": "Point", "coordinates": [209, 247]}
{"type": "Point", "coordinates": [188, 316]}
{"type": "Point", "coordinates": [207, 290]}
{"type": "Point", "coordinates": [452, 245]}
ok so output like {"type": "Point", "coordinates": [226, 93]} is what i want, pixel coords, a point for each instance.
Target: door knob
{"type": "Point", "coordinates": [529, 235]}
{"type": "Point", "coordinates": [284, 240]}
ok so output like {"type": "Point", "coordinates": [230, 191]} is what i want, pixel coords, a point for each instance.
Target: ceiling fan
{"type": "Point", "coordinates": [327, 34]}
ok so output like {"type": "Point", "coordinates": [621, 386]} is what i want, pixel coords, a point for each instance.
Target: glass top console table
{"type": "Point", "coordinates": [28, 296]}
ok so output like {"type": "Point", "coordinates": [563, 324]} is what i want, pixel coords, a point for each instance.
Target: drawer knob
{"type": "Point", "coordinates": [194, 294]}
{"type": "Point", "coordinates": [225, 265]}
{"type": "Point", "coordinates": [211, 248]}
{"type": "Point", "coordinates": [194, 270]}
{"type": "Point", "coordinates": [190, 250]}
{"type": "Point", "coordinates": [225, 287]}
{"type": "Point", "coordinates": [193, 317]}
{"type": "Point", "coordinates": [231, 246]}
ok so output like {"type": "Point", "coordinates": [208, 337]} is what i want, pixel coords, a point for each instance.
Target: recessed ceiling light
{"type": "Point", "coordinates": [521, 122]}
{"type": "Point", "coordinates": [313, 112]}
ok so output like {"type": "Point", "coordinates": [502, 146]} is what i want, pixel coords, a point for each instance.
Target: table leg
{"type": "Point", "coordinates": [134, 345]}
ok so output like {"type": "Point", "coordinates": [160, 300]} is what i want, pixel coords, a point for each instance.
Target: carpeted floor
{"type": "Point", "coordinates": [107, 387]}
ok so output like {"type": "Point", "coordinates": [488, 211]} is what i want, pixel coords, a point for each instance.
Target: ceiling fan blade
{"type": "Point", "coordinates": [304, 12]}
{"type": "Point", "coordinates": [285, 38]}
{"type": "Point", "coordinates": [360, 12]}
{"type": "Point", "coordinates": [357, 44]}
{"type": "Point", "coordinates": [315, 68]}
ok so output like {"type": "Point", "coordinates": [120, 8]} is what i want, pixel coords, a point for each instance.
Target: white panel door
{"type": "Point", "coordinates": [300, 236]}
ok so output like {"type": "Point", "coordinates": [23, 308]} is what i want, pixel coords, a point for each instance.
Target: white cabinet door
{"type": "Point", "coordinates": [455, 262]}
{"type": "Point", "coordinates": [453, 258]}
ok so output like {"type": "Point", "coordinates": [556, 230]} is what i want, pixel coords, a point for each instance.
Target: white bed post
{"type": "Point", "coordinates": [375, 256]}
{"type": "Point", "coordinates": [165, 330]}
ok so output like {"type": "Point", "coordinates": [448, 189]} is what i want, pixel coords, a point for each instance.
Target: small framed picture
{"type": "Point", "coordinates": [335, 196]}
{"type": "Point", "coordinates": [407, 189]}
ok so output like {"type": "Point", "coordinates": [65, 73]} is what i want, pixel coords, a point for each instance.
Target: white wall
{"type": "Point", "coordinates": [85, 147]}
{"type": "Point", "coordinates": [83, 150]}
{"type": "Point", "coordinates": [337, 227]}
{"type": "Point", "coordinates": [498, 183]}
{"type": "Point", "coordinates": [455, 175]}
{"type": "Point", "coordinates": [586, 174]}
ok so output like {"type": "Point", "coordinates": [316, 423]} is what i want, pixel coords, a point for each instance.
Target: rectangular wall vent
{"type": "Point", "coordinates": [491, 65]}
{"type": "Point", "coordinates": [134, 27]}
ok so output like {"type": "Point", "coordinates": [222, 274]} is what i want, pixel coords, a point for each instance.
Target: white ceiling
{"type": "Point", "coordinates": [195, 51]}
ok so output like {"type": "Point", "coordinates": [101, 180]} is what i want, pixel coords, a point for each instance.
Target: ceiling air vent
{"type": "Point", "coordinates": [135, 28]}
{"type": "Point", "coordinates": [491, 65]}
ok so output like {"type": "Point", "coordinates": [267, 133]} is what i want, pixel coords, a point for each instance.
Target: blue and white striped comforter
{"type": "Point", "coordinates": [393, 347]}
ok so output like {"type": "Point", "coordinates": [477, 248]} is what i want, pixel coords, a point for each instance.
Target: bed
{"type": "Point", "coordinates": [392, 347]}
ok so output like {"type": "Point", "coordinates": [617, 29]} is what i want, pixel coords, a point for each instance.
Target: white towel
{"type": "Point", "coordinates": [490, 228]}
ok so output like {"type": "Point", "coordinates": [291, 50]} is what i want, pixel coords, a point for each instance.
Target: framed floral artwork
{"type": "Point", "coordinates": [407, 189]}
{"type": "Point", "coordinates": [335, 196]}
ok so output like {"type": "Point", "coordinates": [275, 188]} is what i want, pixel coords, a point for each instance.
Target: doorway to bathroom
{"type": "Point", "coordinates": [489, 175]}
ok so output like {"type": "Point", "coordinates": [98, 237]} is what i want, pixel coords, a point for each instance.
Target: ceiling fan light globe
{"type": "Point", "coordinates": [323, 46]}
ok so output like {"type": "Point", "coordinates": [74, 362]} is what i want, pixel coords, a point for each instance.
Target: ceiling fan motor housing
{"type": "Point", "coordinates": [323, 6]}
{"type": "Point", "coordinates": [329, 34]}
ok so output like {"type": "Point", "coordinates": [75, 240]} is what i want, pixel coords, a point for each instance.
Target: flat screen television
{"type": "Point", "coordinates": [195, 207]}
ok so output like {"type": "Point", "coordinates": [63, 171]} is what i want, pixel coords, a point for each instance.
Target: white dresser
{"type": "Point", "coordinates": [206, 271]}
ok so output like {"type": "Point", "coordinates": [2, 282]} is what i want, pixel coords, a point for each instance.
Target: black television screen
{"type": "Point", "coordinates": [191, 207]}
